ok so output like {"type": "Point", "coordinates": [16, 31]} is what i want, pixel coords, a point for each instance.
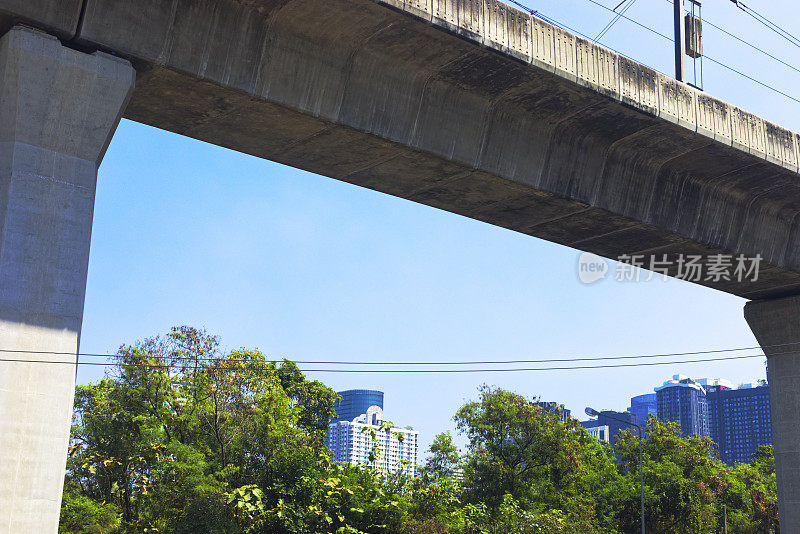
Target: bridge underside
{"type": "Point", "coordinates": [520, 125]}
{"type": "Point", "coordinates": [469, 106]}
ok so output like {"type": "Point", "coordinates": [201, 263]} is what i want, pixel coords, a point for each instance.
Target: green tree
{"type": "Point", "coordinates": [517, 448]}
{"type": "Point", "coordinates": [764, 460]}
{"type": "Point", "coordinates": [315, 400]}
{"type": "Point", "coordinates": [686, 486]}
{"type": "Point", "coordinates": [82, 515]}
{"type": "Point", "coordinates": [179, 424]}
{"type": "Point", "coordinates": [444, 458]}
{"type": "Point", "coordinates": [184, 437]}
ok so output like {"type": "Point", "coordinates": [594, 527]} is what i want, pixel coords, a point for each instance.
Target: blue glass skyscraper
{"type": "Point", "coordinates": [642, 406]}
{"type": "Point", "coordinates": [355, 402]}
{"type": "Point", "coordinates": [556, 409]}
{"type": "Point", "coordinates": [740, 420]}
{"type": "Point", "coordinates": [683, 401]}
{"type": "Point", "coordinates": [614, 425]}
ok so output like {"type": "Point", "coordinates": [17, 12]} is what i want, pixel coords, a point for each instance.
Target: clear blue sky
{"type": "Point", "coordinates": [309, 268]}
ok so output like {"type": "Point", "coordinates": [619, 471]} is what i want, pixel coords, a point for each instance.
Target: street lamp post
{"type": "Point", "coordinates": [594, 413]}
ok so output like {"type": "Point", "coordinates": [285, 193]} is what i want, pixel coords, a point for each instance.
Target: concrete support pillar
{"type": "Point", "coordinates": [776, 325]}
{"type": "Point", "coordinates": [58, 110]}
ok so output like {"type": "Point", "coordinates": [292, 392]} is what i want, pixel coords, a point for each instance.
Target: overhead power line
{"type": "Point", "coordinates": [461, 362]}
{"type": "Point", "coordinates": [560, 24]}
{"type": "Point", "coordinates": [229, 363]}
{"type": "Point", "coordinates": [555, 22]}
{"type": "Point", "coordinates": [407, 371]}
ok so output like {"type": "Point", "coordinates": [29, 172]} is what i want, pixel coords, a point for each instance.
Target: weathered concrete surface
{"type": "Point", "coordinates": [473, 107]}
{"type": "Point", "coordinates": [776, 325]}
{"type": "Point", "coordinates": [59, 17]}
{"type": "Point", "coordinates": [58, 110]}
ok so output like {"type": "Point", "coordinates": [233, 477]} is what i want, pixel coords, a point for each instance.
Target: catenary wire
{"type": "Point", "coordinates": [713, 60]}
{"type": "Point", "coordinates": [614, 20]}
{"type": "Point", "coordinates": [767, 22]}
{"type": "Point", "coordinates": [646, 27]}
{"type": "Point", "coordinates": [751, 45]}
{"type": "Point", "coordinates": [759, 82]}
{"type": "Point", "coordinates": [508, 362]}
{"type": "Point", "coordinates": [555, 22]}
{"type": "Point", "coordinates": [743, 41]}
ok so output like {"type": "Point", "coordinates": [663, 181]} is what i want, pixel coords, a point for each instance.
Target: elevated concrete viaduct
{"type": "Point", "coordinates": [469, 106]}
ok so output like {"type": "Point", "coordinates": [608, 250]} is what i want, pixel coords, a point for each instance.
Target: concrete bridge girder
{"type": "Point", "coordinates": [497, 116]}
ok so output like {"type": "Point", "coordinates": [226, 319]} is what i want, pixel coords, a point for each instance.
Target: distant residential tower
{"type": "Point", "coordinates": [393, 450]}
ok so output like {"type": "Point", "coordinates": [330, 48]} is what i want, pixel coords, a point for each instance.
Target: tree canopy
{"type": "Point", "coordinates": [185, 438]}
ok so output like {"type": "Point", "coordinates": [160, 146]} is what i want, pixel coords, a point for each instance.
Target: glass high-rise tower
{"type": "Point", "coordinates": [683, 401]}
{"type": "Point", "coordinates": [642, 406]}
{"type": "Point", "coordinates": [356, 402]}
{"type": "Point", "coordinates": [740, 420]}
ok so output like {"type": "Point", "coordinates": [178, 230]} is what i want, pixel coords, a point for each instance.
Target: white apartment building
{"type": "Point", "coordinates": [599, 432]}
{"type": "Point", "coordinates": [351, 442]}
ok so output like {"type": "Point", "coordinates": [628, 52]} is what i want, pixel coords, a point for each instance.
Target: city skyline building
{"type": "Point", "coordinates": [355, 402]}
{"type": "Point", "coordinates": [393, 450]}
{"type": "Point", "coordinates": [642, 406]}
{"type": "Point", "coordinates": [683, 400]}
{"type": "Point", "coordinates": [739, 420]}
{"type": "Point", "coordinates": [709, 382]}
{"type": "Point", "coordinates": [613, 426]}
{"type": "Point", "coordinates": [556, 409]}
{"type": "Point", "coordinates": [597, 432]}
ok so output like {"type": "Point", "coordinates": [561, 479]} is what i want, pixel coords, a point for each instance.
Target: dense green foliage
{"type": "Point", "coordinates": [183, 438]}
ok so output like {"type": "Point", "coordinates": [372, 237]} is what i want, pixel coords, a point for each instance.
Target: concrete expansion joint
{"type": "Point", "coordinates": [51, 179]}
{"type": "Point", "coordinates": [354, 51]}
{"type": "Point", "coordinates": [613, 232]}
{"type": "Point", "coordinates": [560, 217]}
{"type": "Point", "coordinates": [793, 292]}
{"type": "Point", "coordinates": [111, 57]}
{"type": "Point", "coordinates": [371, 165]}
{"type": "Point", "coordinates": [412, 137]}
{"type": "Point", "coordinates": [449, 180]}
{"type": "Point", "coordinates": [299, 142]}
{"type": "Point", "coordinates": [79, 24]}
{"type": "Point", "coordinates": [38, 41]}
